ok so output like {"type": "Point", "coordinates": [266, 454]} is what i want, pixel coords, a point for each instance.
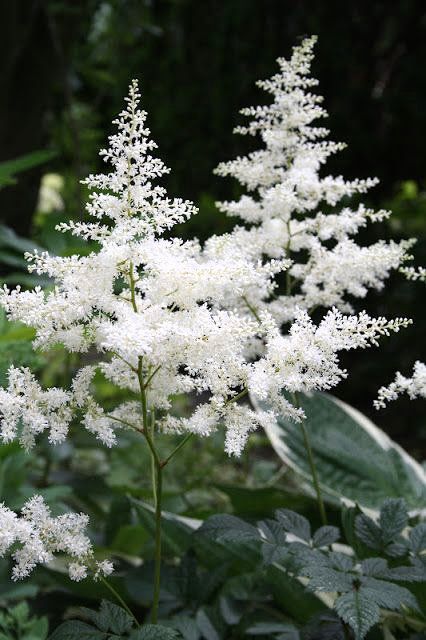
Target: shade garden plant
{"type": "Point", "coordinates": [214, 343]}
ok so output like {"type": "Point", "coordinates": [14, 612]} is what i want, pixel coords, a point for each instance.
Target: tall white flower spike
{"type": "Point", "coordinates": [293, 211]}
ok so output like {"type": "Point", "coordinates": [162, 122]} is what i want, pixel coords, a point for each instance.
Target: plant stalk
{"type": "Point", "coordinates": [157, 557]}
{"type": "Point", "coordinates": [314, 473]}
{"type": "Point", "coordinates": [119, 599]}
{"type": "Point", "coordinates": [157, 471]}
{"type": "Point", "coordinates": [312, 466]}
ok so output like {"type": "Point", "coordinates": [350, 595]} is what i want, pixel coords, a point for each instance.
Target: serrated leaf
{"type": "Point", "coordinates": [224, 527]}
{"type": "Point", "coordinates": [388, 595]}
{"type": "Point", "coordinates": [294, 523]}
{"type": "Point", "coordinates": [378, 568]}
{"type": "Point", "coordinates": [154, 632]}
{"type": "Point", "coordinates": [113, 618]}
{"type": "Point", "coordinates": [407, 574]}
{"type": "Point", "coordinates": [326, 579]}
{"type": "Point", "coordinates": [274, 547]}
{"type": "Point", "coordinates": [397, 549]}
{"type": "Point", "coordinates": [418, 538]}
{"type": "Point", "coordinates": [358, 611]}
{"type": "Point", "coordinates": [341, 561]}
{"type": "Point", "coordinates": [368, 531]}
{"type": "Point", "coordinates": [393, 518]}
{"type": "Point", "coordinates": [77, 630]}
{"type": "Point", "coordinates": [325, 536]}
{"type": "Point", "coordinates": [375, 567]}
{"type": "Point", "coordinates": [186, 626]}
{"type": "Point", "coordinates": [272, 553]}
{"type": "Point", "coordinates": [90, 615]}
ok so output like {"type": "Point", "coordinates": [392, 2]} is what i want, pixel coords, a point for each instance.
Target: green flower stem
{"type": "Point", "coordinates": [240, 395]}
{"type": "Point", "coordinates": [157, 559]}
{"type": "Point", "coordinates": [181, 444]}
{"type": "Point", "coordinates": [157, 482]}
{"type": "Point", "coordinates": [153, 466]}
{"type": "Point", "coordinates": [251, 309]}
{"type": "Point", "coordinates": [312, 466]}
{"type": "Point", "coordinates": [119, 599]}
{"type": "Point", "coordinates": [314, 473]}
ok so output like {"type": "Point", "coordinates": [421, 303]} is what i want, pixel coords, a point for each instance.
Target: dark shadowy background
{"type": "Point", "coordinates": [65, 67]}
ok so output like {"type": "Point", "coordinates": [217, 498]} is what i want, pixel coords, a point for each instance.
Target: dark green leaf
{"type": "Point", "coordinates": [154, 632]}
{"type": "Point", "coordinates": [186, 626]}
{"type": "Point", "coordinates": [113, 618]}
{"type": "Point", "coordinates": [77, 630]}
{"type": "Point", "coordinates": [224, 527]}
{"type": "Point", "coordinates": [325, 536]}
{"type": "Point", "coordinates": [368, 531]}
{"type": "Point", "coordinates": [388, 595]}
{"type": "Point", "coordinates": [418, 538]}
{"type": "Point", "coordinates": [269, 628]}
{"type": "Point", "coordinates": [9, 238]}
{"type": "Point", "coordinates": [9, 168]}
{"type": "Point", "coordinates": [393, 518]}
{"type": "Point", "coordinates": [325, 579]}
{"type": "Point", "coordinates": [375, 567]}
{"type": "Point", "coordinates": [289, 593]}
{"type": "Point", "coordinates": [261, 502]}
{"type": "Point", "coordinates": [176, 530]}
{"type": "Point", "coordinates": [358, 611]}
{"type": "Point", "coordinates": [294, 523]}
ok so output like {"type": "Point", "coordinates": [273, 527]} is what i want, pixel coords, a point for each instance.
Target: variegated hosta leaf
{"type": "Point", "coordinates": [355, 460]}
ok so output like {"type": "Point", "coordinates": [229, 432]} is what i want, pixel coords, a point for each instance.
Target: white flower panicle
{"type": "Point", "coordinates": [307, 358]}
{"type": "Point", "coordinates": [36, 536]}
{"type": "Point", "coordinates": [167, 318]}
{"type": "Point", "coordinates": [27, 410]}
{"type": "Point", "coordinates": [294, 211]}
{"type": "Point", "coordinates": [142, 301]}
{"type": "Point", "coordinates": [414, 386]}
{"type": "Point", "coordinates": [127, 195]}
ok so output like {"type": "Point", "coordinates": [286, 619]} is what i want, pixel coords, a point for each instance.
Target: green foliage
{"type": "Point", "coordinates": [16, 347]}
{"type": "Point", "coordinates": [12, 248]}
{"type": "Point", "coordinates": [10, 168]}
{"type": "Point", "coordinates": [16, 623]}
{"type": "Point", "coordinates": [111, 621]}
{"type": "Point", "coordinates": [367, 588]}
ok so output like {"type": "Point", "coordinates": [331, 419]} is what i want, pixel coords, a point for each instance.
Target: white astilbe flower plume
{"type": "Point", "coordinates": [153, 308]}
{"type": "Point", "coordinates": [293, 212]}
{"type": "Point", "coordinates": [307, 358]}
{"type": "Point", "coordinates": [414, 386]}
{"type": "Point", "coordinates": [36, 536]}
{"type": "Point", "coordinates": [166, 318]}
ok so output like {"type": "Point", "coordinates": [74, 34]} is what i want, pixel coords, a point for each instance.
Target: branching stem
{"type": "Point", "coordinates": [252, 309]}
{"type": "Point", "coordinates": [181, 444]}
